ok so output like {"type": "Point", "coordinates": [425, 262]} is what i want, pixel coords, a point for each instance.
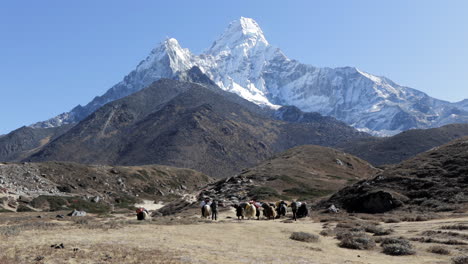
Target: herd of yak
{"type": "Point", "coordinates": [252, 209]}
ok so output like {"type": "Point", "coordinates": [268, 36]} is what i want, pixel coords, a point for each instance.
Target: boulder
{"type": "Point", "coordinates": [372, 202]}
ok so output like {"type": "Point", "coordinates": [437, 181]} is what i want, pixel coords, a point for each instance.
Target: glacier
{"type": "Point", "coordinates": [243, 62]}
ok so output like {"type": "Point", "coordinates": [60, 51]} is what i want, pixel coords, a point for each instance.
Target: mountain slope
{"type": "Point", "coordinates": [242, 61]}
{"type": "Point", "coordinates": [113, 184]}
{"type": "Point", "coordinates": [436, 180]}
{"type": "Point", "coordinates": [23, 141]}
{"type": "Point", "coordinates": [196, 127]}
{"type": "Point", "coordinates": [391, 150]}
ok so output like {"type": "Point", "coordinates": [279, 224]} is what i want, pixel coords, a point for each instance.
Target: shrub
{"type": "Point", "coordinates": [394, 240]}
{"type": "Point", "coordinates": [455, 227]}
{"type": "Point", "coordinates": [397, 246]}
{"type": "Point", "coordinates": [326, 232]}
{"type": "Point", "coordinates": [355, 240]}
{"type": "Point", "coordinates": [439, 250]}
{"type": "Point", "coordinates": [304, 237]}
{"type": "Point", "coordinates": [397, 250]}
{"type": "Point", "coordinates": [377, 230]}
{"type": "Point", "coordinates": [392, 220]}
{"type": "Point", "coordinates": [23, 208]}
{"type": "Point", "coordinates": [460, 260]}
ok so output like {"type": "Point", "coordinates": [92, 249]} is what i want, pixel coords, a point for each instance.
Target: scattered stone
{"type": "Point", "coordinates": [96, 199]}
{"type": "Point", "coordinates": [77, 213]}
{"type": "Point", "coordinates": [60, 216]}
{"type": "Point", "coordinates": [57, 246]}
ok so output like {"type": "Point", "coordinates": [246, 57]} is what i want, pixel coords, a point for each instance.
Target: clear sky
{"type": "Point", "coordinates": [55, 55]}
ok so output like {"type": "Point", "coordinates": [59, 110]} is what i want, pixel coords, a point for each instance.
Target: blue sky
{"type": "Point", "coordinates": [58, 54]}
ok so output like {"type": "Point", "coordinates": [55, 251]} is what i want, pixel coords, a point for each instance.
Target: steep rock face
{"type": "Point", "coordinates": [436, 180]}
{"type": "Point", "coordinates": [196, 127]}
{"type": "Point", "coordinates": [243, 62]}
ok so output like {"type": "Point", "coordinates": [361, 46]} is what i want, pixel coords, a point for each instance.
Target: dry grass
{"type": "Point", "coordinates": [122, 239]}
{"type": "Point", "coordinates": [98, 253]}
{"type": "Point", "coordinates": [15, 230]}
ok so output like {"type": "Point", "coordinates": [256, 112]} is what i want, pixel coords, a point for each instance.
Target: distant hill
{"type": "Point", "coordinates": [304, 173]}
{"type": "Point", "coordinates": [112, 184]}
{"type": "Point", "coordinates": [24, 141]}
{"type": "Point", "coordinates": [186, 125]}
{"type": "Point", "coordinates": [436, 180]}
{"type": "Point", "coordinates": [391, 150]}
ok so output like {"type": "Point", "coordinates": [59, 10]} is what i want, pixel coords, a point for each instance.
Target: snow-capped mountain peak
{"type": "Point", "coordinates": [243, 62]}
{"type": "Point", "coordinates": [242, 32]}
{"type": "Point", "coordinates": [179, 58]}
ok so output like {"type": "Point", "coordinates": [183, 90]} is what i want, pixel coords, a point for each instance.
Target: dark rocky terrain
{"type": "Point", "coordinates": [187, 125]}
{"type": "Point", "coordinates": [436, 180]}
{"type": "Point", "coordinates": [391, 150]}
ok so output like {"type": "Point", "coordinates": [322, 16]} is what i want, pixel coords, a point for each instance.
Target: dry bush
{"type": "Point", "coordinates": [391, 220]}
{"type": "Point", "coordinates": [438, 241]}
{"type": "Point", "coordinates": [449, 234]}
{"type": "Point", "coordinates": [345, 225]}
{"type": "Point", "coordinates": [396, 246]}
{"type": "Point", "coordinates": [397, 250]}
{"type": "Point", "coordinates": [417, 218]}
{"type": "Point", "coordinates": [455, 227]}
{"type": "Point", "coordinates": [438, 250]}
{"type": "Point", "coordinates": [355, 240]}
{"type": "Point", "coordinates": [304, 237]}
{"type": "Point", "coordinates": [395, 240]}
{"type": "Point", "coordinates": [460, 260]}
{"type": "Point", "coordinates": [327, 232]}
{"type": "Point", "coordinates": [377, 230]}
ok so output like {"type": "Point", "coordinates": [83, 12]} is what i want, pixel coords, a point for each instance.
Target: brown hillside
{"type": "Point", "coordinates": [436, 180]}
{"type": "Point", "coordinates": [304, 172]}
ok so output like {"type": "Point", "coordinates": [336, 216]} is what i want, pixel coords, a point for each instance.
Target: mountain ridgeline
{"type": "Point", "coordinates": [187, 125]}
{"type": "Point", "coordinates": [243, 62]}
